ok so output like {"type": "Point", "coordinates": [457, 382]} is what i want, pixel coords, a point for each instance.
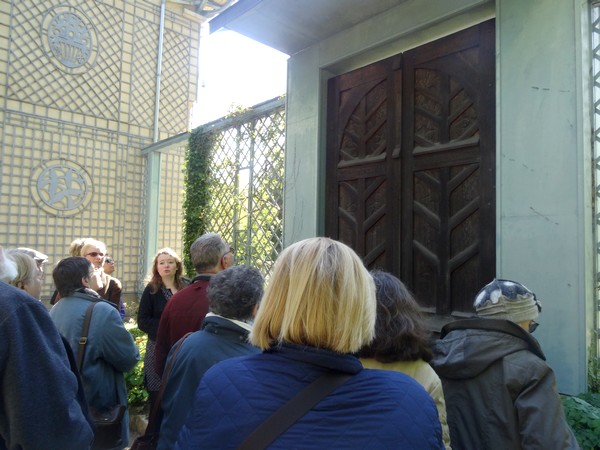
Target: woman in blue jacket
{"type": "Point", "coordinates": [110, 350]}
{"type": "Point", "coordinates": [318, 309]}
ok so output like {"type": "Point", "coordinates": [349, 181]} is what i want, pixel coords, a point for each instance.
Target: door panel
{"type": "Point", "coordinates": [359, 194]}
{"type": "Point", "coordinates": [410, 167]}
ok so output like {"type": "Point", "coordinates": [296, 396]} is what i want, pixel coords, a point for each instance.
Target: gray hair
{"type": "Point", "coordinates": [207, 251]}
{"type": "Point", "coordinates": [234, 292]}
{"type": "Point", "coordinates": [26, 267]}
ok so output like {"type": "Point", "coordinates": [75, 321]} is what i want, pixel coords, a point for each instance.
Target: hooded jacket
{"type": "Point", "coordinates": [500, 392]}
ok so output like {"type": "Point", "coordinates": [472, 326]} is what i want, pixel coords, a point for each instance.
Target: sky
{"type": "Point", "coordinates": [235, 70]}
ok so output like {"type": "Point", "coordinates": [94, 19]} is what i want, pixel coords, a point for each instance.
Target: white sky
{"type": "Point", "coordinates": [235, 70]}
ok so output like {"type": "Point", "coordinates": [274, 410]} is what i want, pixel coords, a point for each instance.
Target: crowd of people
{"type": "Point", "coordinates": [324, 355]}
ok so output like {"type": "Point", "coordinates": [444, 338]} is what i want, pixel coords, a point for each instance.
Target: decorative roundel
{"type": "Point", "coordinates": [61, 187]}
{"type": "Point", "coordinates": [69, 39]}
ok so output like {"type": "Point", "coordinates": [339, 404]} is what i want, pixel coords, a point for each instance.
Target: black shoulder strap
{"type": "Point", "coordinates": [84, 334]}
{"type": "Point", "coordinates": [153, 418]}
{"type": "Point", "coordinates": [293, 410]}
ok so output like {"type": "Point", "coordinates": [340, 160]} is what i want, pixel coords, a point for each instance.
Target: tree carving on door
{"type": "Point", "coordinates": [410, 167]}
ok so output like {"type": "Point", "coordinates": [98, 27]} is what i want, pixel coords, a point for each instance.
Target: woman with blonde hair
{"type": "Point", "coordinates": [318, 309]}
{"type": "Point", "coordinates": [164, 280]}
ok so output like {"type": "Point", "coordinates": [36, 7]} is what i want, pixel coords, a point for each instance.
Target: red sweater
{"type": "Point", "coordinates": [184, 312]}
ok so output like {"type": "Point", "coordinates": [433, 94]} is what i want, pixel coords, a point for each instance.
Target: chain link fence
{"type": "Point", "coordinates": [247, 183]}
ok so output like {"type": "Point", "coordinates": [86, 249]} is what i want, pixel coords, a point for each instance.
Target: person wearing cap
{"type": "Point", "coordinates": [500, 392]}
{"type": "Point", "coordinates": [39, 258]}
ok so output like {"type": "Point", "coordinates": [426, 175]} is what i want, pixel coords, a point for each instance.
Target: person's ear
{"type": "Point", "coordinates": [85, 282]}
{"type": "Point", "coordinates": [21, 285]}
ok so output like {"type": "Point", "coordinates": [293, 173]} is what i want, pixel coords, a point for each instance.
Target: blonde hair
{"type": "Point", "coordinates": [90, 243]}
{"type": "Point", "coordinates": [27, 270]}
{"type": "Point", "coordinates": [75, 247]}
{"type": "Point", "coordinates": [320, 295]}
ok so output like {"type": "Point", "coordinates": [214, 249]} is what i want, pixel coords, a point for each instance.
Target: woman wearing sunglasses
{"type": "Point", "coordinates": [107, 287]}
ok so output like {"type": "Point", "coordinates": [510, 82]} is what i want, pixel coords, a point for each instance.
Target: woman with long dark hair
{"type": "Point", "coordinates": [402, 341]}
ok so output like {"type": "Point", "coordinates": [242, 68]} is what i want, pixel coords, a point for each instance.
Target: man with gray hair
{"type": "Point", "coordinates": [234, 295]}
{"type": "Point", "coordinates": [185, 311]}
{"type": "Point", "coordinates": [500, 392]}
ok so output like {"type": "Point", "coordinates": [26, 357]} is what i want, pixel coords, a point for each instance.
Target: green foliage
{"type": "Point", "coordinates": [584, 419]}
{"type": "Point", "coordinates": [136, 391]}
{"type": "Point", "coordinates": [234, 185]}
{"type": "Point", "coordinates": [247, 187]}
{"type": "Point", "coordinates": [593, 372]}
{"type": "Point", "coordinates": [196, 204]}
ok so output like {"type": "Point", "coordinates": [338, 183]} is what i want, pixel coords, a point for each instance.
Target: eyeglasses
{"type": "Point", "coordinates": [109, 260]}
{"type": "Point", "coordinates": [94, 254]}
{"type": "Point", "coordinates": [231, 250]}
{"type": "Point", "coordinates": [533, 326]}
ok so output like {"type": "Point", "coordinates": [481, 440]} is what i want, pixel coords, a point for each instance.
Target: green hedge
{"type": "Point", "coordinates": [196, 203]}
{"type": "Point", "coordinates": [583, 415]}
{"type": "Point", "coordinates": [136, 391]}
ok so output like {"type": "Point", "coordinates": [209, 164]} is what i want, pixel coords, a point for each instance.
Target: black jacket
{"type": "Point", "coordinates": [500, 393]}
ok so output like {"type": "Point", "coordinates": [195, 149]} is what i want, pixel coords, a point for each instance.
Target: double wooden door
{"type": "Point", "coordinates": [410, 168]}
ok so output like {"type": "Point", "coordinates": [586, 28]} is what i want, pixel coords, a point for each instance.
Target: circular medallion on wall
{"type": "Point", "coordinates": [61, 187]}
{"type": "Point", "coordinates": [69, 39]}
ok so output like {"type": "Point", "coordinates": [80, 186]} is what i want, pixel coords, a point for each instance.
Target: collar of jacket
{"type": "Point", "coordinates": [220, 325]}
{"type": "Point", "coordinates": [87, 294]}
{"type": "Point", "coordinates": [202, 277]}
{"type": "Point", "coordinates": [342, 362]}
{"type": "Point", "coordinates": [499, 325]}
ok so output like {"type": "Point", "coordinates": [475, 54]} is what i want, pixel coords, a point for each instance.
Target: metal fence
{"type": "Point", "coordinates": [595, 29]}
{"type": "Point", "coordinates": [247, 183]}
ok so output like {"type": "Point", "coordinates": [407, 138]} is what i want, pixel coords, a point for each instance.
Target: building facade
{"type": "Point", "coordinates": [85, 85]}
{"type": "Point", "coordinates": [536, 179]}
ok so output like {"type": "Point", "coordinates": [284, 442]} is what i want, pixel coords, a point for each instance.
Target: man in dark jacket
{"type": "Point", "coordinates": [39, 403]}
{"type": "Point", "coordinates": [500, 392]}
{"type": "Point", "coordinates": [233, 296]}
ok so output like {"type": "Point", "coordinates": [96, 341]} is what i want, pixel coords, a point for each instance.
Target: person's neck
{"type": "Point", "coordinates": [208, 272]}
{"type": "Point", "coordinates": [169, 282]}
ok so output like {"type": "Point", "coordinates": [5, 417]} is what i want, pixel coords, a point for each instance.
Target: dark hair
{"type": "Point", "coordinates": [234, 292]}
{"type": "Point", "coordinates": [68, 273]}
{"type": "Point", "coordinates": [400, 331]}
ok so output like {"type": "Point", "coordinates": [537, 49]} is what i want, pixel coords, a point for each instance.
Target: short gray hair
{"type": "Point", "coordinates": [234, 292]}
{"type": "Point", "coordinates": [207, 251]}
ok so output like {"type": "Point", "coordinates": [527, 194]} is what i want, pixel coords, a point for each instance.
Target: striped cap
{"type": "Point", "coordinates": [505, 299]}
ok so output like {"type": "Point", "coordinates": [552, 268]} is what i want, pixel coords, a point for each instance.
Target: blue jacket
{"type": "Point", "coordinates": [219, 339]}
{"type": "Point", "coordinates": [39, 406]}
{"type": "Point", "coordinates": [374, 409]}
{"type": "Point", "coordinates": [110, 350]}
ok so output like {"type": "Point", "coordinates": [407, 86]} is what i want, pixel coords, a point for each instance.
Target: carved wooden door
{"type": "Point", "coordinates": [410, 170]}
